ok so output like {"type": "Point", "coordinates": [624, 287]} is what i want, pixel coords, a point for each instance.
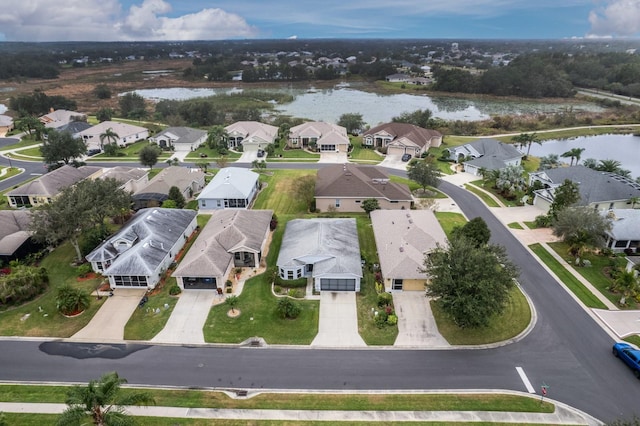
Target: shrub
{"type": "Point", "coordinates": [287, 308]}
{"type": "Point", "coordinates": [277, 289]}
{"type": "Point", "coordinates": [381, 319]}
{"type": "Point", "coordinates": [392, 320]}
{"type": "Point", "coordinates": [84, 269]}
{"type": "Point", "coordinates": [542, 221]}
{"type": "Point", "coordinates": [174, 290]}
{"type": "Point", "coordinates": [384, 299]}
{"type": "Point", "coordinates": [71, 300]}
{"type": "Point", "coordinates": [22, 283]}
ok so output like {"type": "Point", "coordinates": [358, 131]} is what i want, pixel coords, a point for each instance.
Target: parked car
{"type": "Point", "coordinates": [260, 153]}
{"type": "Point", "coordinates": [630, 356]}
{"type": "Point", "coordinates": [406, 157]}
{"type": "Point", "coordinates": [92, 152]}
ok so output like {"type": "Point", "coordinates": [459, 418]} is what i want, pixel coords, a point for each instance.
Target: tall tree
{"type": "Point", "coordinates": [369, 205]}
{"type": "Point", "coordinates": [103, 401]}
{"type": "Point", "coordinates": [510, 180]}
{"type": "Point", "coordinates": [573, 154]}
{"type": "Point", "coordinates": [567, 194]}
{"type": "Point", "coordinates": [424, 172]}
{"type": "Point", "coordinates": [149, 155]}
{"type": "Point", "coordinates": [61, 146]}
{"type": "Point", "coordinates": [581, 227]}
{"type": "Point", "coordinates": [476, 231]}
{"type": "Point", "coordinates": [420, 118]}
{"type": "Point", "coordinates": [176, 195]}
{"type": "Point", "coordinates": [470, 283]}
{"type": "Point", "coordinates": [110, 136]}
{"type": "Point", "coordinates": [352, 122]}
{"type": "Point", "coordinates": [132, 106]}
{"type": "Point", "coordinates": [104, 114]}
{"type": "Point", "coordinates": [31, 125]}
{"type": "Point", "coordinates": [305, 189]}
{"type": "Point", "coordinates": [526, 140]}
{"type": "Point", "coordinates": [217, 139]}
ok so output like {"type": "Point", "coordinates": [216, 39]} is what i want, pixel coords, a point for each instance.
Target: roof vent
{"type": "Point", "coordinates": [401, 249]}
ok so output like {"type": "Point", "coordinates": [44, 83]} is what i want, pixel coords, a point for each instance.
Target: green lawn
{"type": "Point", "coordinates": [24, 142]}
{"type": "Point", "coordinates": [595, 274]}
{"type": "Point", "coordinates": [278, 192]}
{"type": "Point", "coordinates": [211, 155]}
{"type": "Point", "coordinates": [486, 198]}
{"type": "Point", "coordinates": [281, 153]}
{"type": "Point", "coordinates": [576, 287]}
{"type": "Point", "coordinates": [40, 316]}
{"type": "Point", "coordinates": [513, 321]}
{"type": "Point", "coordinates": [449, 220]}
{"type": "Point", "coordinates": [10, 172]}
{"type": "Point", "coordinates": [362, 154]}
{"type": "Point", "coordinates": [515, 225]}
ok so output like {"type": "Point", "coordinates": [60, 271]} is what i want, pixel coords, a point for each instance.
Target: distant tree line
{"type": "Point", "coordinates": [39, 103]}
{"type": "Point", "coordinates": [27, 66]}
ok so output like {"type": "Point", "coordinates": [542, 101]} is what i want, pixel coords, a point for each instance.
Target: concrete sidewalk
{"type": "Point", "coordinates": [108, 323]}
{"type": "Point", "coordinates": [563, 415]}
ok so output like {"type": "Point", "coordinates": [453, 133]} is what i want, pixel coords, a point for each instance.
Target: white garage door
{"type": "Point", "coordinates": [337, 284]}
{"type": "Point", "coordinates": [395, 150]}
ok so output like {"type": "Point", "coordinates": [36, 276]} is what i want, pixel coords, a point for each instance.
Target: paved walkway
{"type": "Point", "coordinates": [188, 318]}
{"type": "Point", "coordinates": [108, 323]}
{"type": "Point", "coordinates": [338, 325]}
{"type": "Point", "coordinates": [416, 325]}
{"type": "Point", "coordinates": [563, 415]}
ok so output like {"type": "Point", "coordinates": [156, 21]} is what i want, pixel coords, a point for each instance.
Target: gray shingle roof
{"type": "Point", "coordinates": [230, 182]}
{"type": "Point", "coordinates": [350, 180]}
{"type": "Point", "coordinates": [14, 230]}
{"type": "Point", "coordinates": [492, 154]}
{"type": "Point", "coordinates": [187, 135]}
{"type": "Point", "coordinates": [153, 231]}
{"type": "Point", "coordinates": [330, 244]}
{"type": "Point", "coordinates": [182, 177]}
{"type": "Point", "coordinates": [625, 224]}
{"type": "Point", "coordinates": [226, 232]}
{"type": "Point", "coordinates": [595, 186]}
{"type": "Point", "coordinates": [53, 182]}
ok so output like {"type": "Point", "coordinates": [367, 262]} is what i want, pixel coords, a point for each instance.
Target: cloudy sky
{"type": "Point", "coordinates": [121, 20]}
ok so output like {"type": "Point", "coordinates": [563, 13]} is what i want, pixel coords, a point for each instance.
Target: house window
{"type": "Point", "coordinates": [289, 275]}
{"type": "Point", "coordinates": [357, 201]}
{"type": "Point", "coordinates": [204, 203]}
{"type": "Point", "coordinates": [397, 284]}
{"type": "Point", "coordinates": [394, 201]}
{"type": "Point", "coordinates": [621, 243]}
{"type": "Point", "coordinates": [299, 273]}
{"type": "Point", "coordinates": [99, 266]}
{"type": "Point", "coordinates": [337, 203]}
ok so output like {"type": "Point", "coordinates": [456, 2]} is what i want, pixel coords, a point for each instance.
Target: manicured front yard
{"type": "Point", "coordinates": [363, 154]}
{"type": "Point", "coordinates": [278, 192]}
{"type": "Point", "coordinates": [9, 172]}
{"type": "Point", "coordinates": [450, 220]}
{"type": "Point", "coordinates": [486, 198]}
{"type": "Point", "coordinates": [40, 317]}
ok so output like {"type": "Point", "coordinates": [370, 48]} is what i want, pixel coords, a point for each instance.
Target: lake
{"type": "Point", "coordinates": [623, 148]}
{"type": "Point", "coordinates": [329, 104]}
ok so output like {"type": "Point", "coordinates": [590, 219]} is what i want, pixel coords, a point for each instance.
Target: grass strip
{"type": "Point", "coordinates": [486, 198]}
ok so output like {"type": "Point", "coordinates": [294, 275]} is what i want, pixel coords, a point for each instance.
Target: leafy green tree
{"type": "Point", "coordinates": [305, 189]}
{"type": "Point", "coordinates": [424, 172]}
{"type": "Point", "coordinates": [567, 194]}
{"type": "Point", "coordinates": [581, 227]}
{"type": "Point", "coordinates": [132, 106]}
{"type": "Point", "coordinates": [102, 401]}
{"type": "Point", "coordinates": [217, 139]}
{"type": "Point", "coordinates": [510, 180]}
{"type": "Point", "coordinates": [287, 308]}
{"type": "Point", "coordinates": [103, 198]}
{"type": "Point", "coordinates": [352, 122]}
{"type": "Point", "coordinates": [369, 205]}
{"type": "Point", "coordinates": [176, 196]}
{"type": "Point", "coordinates": [149, 155]}
{"type": "Point", "coordinates": [259, 164]}
{"type": "Point", "coordinates": [476, 231]}
{"type": "Point", "coordinates": [421, 118]}
{"type": "Point", "coordinates": [31, 126]}
{"type": "Point", "coordinates": [102, 91]}
{"type": "Point", "coordinates": [169, 204]}
{"type": "Point", "coordinates": [110, 136]}
{"type": "Point", "coordinates": [526, 140]}
{"type": "Point", "coordinates": [111, 150]}
{"type": "Point", "coordinates": [71, 300]}
{"type": "Point", "coordinates": [61, 146]}
{"type": "Point", "coordinates": [573, 154]}
{"type": "Point", "coordinates": [22, 284]}
{"type": "Point", "coordinates": [608, 165]}
{"type": "Point", "coordinates": [105, 114]}
{"type": "Point", "coordinates": [470, 283]}
{"type": "Point", "coordinates": [551, 161]}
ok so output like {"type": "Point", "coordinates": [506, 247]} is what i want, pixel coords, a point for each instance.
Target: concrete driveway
{"type": "Point", "coordinates": [249, 156]}
{"type": "Point", "coordinates": [108, 323]}
{"type": "Point", "coordinates": [188, 317]}
{"type": "Point", "coordinates": [333, 157]}
{"type": "Point", "coordinates": [416, 325]}
{"type": "Point", "coordinates": [338, 327]}
{"type": "Point", "coordinates": [394, 162]}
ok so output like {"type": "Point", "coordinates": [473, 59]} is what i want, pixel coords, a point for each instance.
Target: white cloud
{"type": "Point", "coordinates": [105, 20]}
{"type": "Point", "coordinates": [616, 17]}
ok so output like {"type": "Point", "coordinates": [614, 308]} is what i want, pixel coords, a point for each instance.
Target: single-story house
{"type": "Point", "coordinates": [142, 250]}
{"type": "Point", "coordinates": [15, 236]}
{"type": "Point", "coordinates": [326, 250]}
{"type": "Point", "coordinates": [74, 128]}
{"type": "Point", "coordinates": [61, 117]}
{"type": "Point", "coordinates": [320, 136]}
{"type": "Point", "coordinates": [600, 190]}
{"type": "Point", "coordinates": [231, 239]}
{"type": "Point", "coordinates": [131, 178]}
{"type": "Point", "coordinates": [252, 135]}
{"type": "Point", "coordinates": [180, 138]}
{"type": "Point", "coordinates": [625, 230]}
{"type": "Point", "coordinates": [485, 154]}
{"type": "Point", "coordinates": [397, 78]}
{"type": "Point", "coordinates": [402, 138]}
{"type": "Point", "coordinates": [6, 124]}
{"type": "Point", "coordinates": [156, 191]}
{"type": "Point", "coordinates": [343, 188]}
{"type": "Point", "coordinates": [43, 189]}
{"type": "Point", "coordinates": [403, 239]}
{"type": "Point", "coordinates": [127, 134]}
{"type": "Point", "coordinates": [230, 188]}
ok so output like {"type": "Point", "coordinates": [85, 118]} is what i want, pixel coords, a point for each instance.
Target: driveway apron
{"type": "Point", "coordinates": [338, 327]}
{"type": "Point", "coordinates": [416, 325]}
{"type": "Point", "coordinates": [108, 323]}
{"type": "Point", "coordinates": [188, 318]}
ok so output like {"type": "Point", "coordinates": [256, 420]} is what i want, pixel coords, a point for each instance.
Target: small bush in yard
{"type": "Point", "coordinates": [287, 308]}
{"type": "Point", "coordinates": [175, 290]}
{"type": "Point", "coordinates": [277, 289]}
{"type": "Point", "coordinates": [381, 319]}
{"type": "Point", "coordinates": [71, 300]}
{"type": "Point", "coordinates": [392, 320]}
{"type": "Point", "coordinates": [384, 299]}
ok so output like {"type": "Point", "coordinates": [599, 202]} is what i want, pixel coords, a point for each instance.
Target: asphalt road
{"type": "Point", "coordinates": [566, 350]}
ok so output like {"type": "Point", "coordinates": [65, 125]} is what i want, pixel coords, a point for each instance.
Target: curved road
{"type": "Point", "coordinates": [566, 350]}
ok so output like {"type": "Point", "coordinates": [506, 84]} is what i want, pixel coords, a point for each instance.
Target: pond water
{"type": "Point", "coordinates": [3, 108]}
{"type": "Point", "coordinates": [330, 104]}
{"type": "Point", "coordinates": [622, 148]}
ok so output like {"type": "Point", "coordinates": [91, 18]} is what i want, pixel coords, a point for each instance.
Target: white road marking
{"type": "Point", "coordinates": [525, 380]}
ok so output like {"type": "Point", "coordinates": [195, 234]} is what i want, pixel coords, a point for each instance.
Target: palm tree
{"type": "Point", "coordinates": [526, 139]}
{"type": "Point", "coordinates": [550, 161]}
{"type": "Point", "coordinates": [626, 283]}
{"type": "Point", "coordinates": [611, 166]}
{"type": "Point", "coordinates": [573, 153]}
{"type": "Point", "coordinates": [110, 136]}
{"type": "Point", "coordinates": [217, 139]}
{"type": "Point", "coordinates": [102, 401]}
{"type": "Point", "coordinates": [634, 201]}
